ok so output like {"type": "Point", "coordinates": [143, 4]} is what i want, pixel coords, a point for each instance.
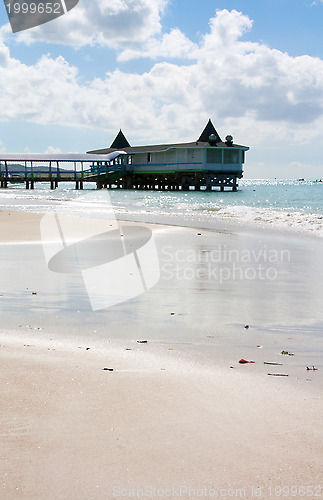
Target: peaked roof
{"type": "Point", "coordinates": [209, 130]}
{"type": "Point", "coordinates": [120, 141]}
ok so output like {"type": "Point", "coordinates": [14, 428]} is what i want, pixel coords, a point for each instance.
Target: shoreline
{"type": "Point", "coordinates": [246, 217]}
{"type": "Point", "coordinates": [220, 225]}
{"type": "Point", "coordinates": [172, 413]}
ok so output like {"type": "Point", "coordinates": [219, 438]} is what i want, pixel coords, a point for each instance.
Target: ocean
{"type": "Point", "coordinates": [291, 205]}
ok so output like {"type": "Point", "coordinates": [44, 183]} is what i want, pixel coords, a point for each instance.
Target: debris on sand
{"type": "Point", "coordinates": [244, 361]}
{"type": "Point", "coordinates": [142, 341]}
{"type": "Point", "coordinates": [278, 374]}
{"type": "Point", "coordinates": [287, 353]}
{"type": "Point", "coordinates": [108, 369]}
{"type": "Point", "coordinates": [311, 368]}
{"type": "Point", "coordinates": [272, 363]}
{"type": "Point", "coordinates": [247, 327]}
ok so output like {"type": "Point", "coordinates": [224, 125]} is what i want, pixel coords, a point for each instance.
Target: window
{"type": "Point", "coordinates": [231, 156]}
{"type": "Point", "coordinates": [149, 158]}
{"type": "Point", "coordinates": [214, 155]}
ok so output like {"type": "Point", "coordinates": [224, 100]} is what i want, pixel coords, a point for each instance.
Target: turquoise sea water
{"type": "Point", "coordinates": [294, 196]}
{"type": "Point", "coordinates": [290, 204]}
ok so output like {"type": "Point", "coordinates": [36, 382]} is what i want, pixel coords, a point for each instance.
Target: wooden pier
{"type": "Point", "coordinates": [31, 169]}
{"type": "Point", "coordinates": [171, 182]}
{"type": "Point", "coordinates": [121, 180]}
{"type": "Point", "coordinates": [53, 181]}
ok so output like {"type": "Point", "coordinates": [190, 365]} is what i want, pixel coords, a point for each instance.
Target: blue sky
{"type": "Point", "coordinates": [159, 69]}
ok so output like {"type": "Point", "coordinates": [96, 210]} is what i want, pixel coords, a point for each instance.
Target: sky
{"type": "Point", "coordinates": [159, 69]}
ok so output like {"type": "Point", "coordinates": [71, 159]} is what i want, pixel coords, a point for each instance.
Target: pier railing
{"type": "Point", "coordinates": [31, 168]}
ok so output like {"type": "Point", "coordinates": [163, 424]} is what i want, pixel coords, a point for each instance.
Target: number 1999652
{"type": "Point", "coordinates": [34, 8]}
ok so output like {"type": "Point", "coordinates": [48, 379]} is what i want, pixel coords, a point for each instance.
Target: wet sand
{"type": "Point", "coordinates": [172, 418]}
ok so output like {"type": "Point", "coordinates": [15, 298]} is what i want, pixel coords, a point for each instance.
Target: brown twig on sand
{"type": "Point", "coordinates": [278, 374]}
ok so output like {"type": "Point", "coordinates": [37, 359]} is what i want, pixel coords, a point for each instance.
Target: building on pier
{"type": "Point", "coordinates": [207, 162]}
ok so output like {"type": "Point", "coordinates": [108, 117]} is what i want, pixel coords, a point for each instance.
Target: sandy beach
{"type": "Point", "coordinates": [89, 413]}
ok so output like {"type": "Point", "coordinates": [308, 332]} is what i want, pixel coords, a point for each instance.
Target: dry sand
{"type": "Point", "coordinates": [70, 429]}
{"type": "Point", "coordinates": [157, 426]}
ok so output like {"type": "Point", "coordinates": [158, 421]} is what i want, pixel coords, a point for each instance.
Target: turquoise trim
{"type": "Point", "coordinates": [169, 170]}
{"type": "Point", "coordinates": [158, 172]}
{"type": "Point", "coordinates": [166, 164]}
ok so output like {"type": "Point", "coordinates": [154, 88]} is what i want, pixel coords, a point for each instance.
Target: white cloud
{"type": "Point", "coordinates": [173, 45]}
{"type": "Point", "coordinates": [52, 150]}
{"type": "Point", "coordinates": [112, 23]}
{"type": "Point", "coordinates": [248, 89]}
